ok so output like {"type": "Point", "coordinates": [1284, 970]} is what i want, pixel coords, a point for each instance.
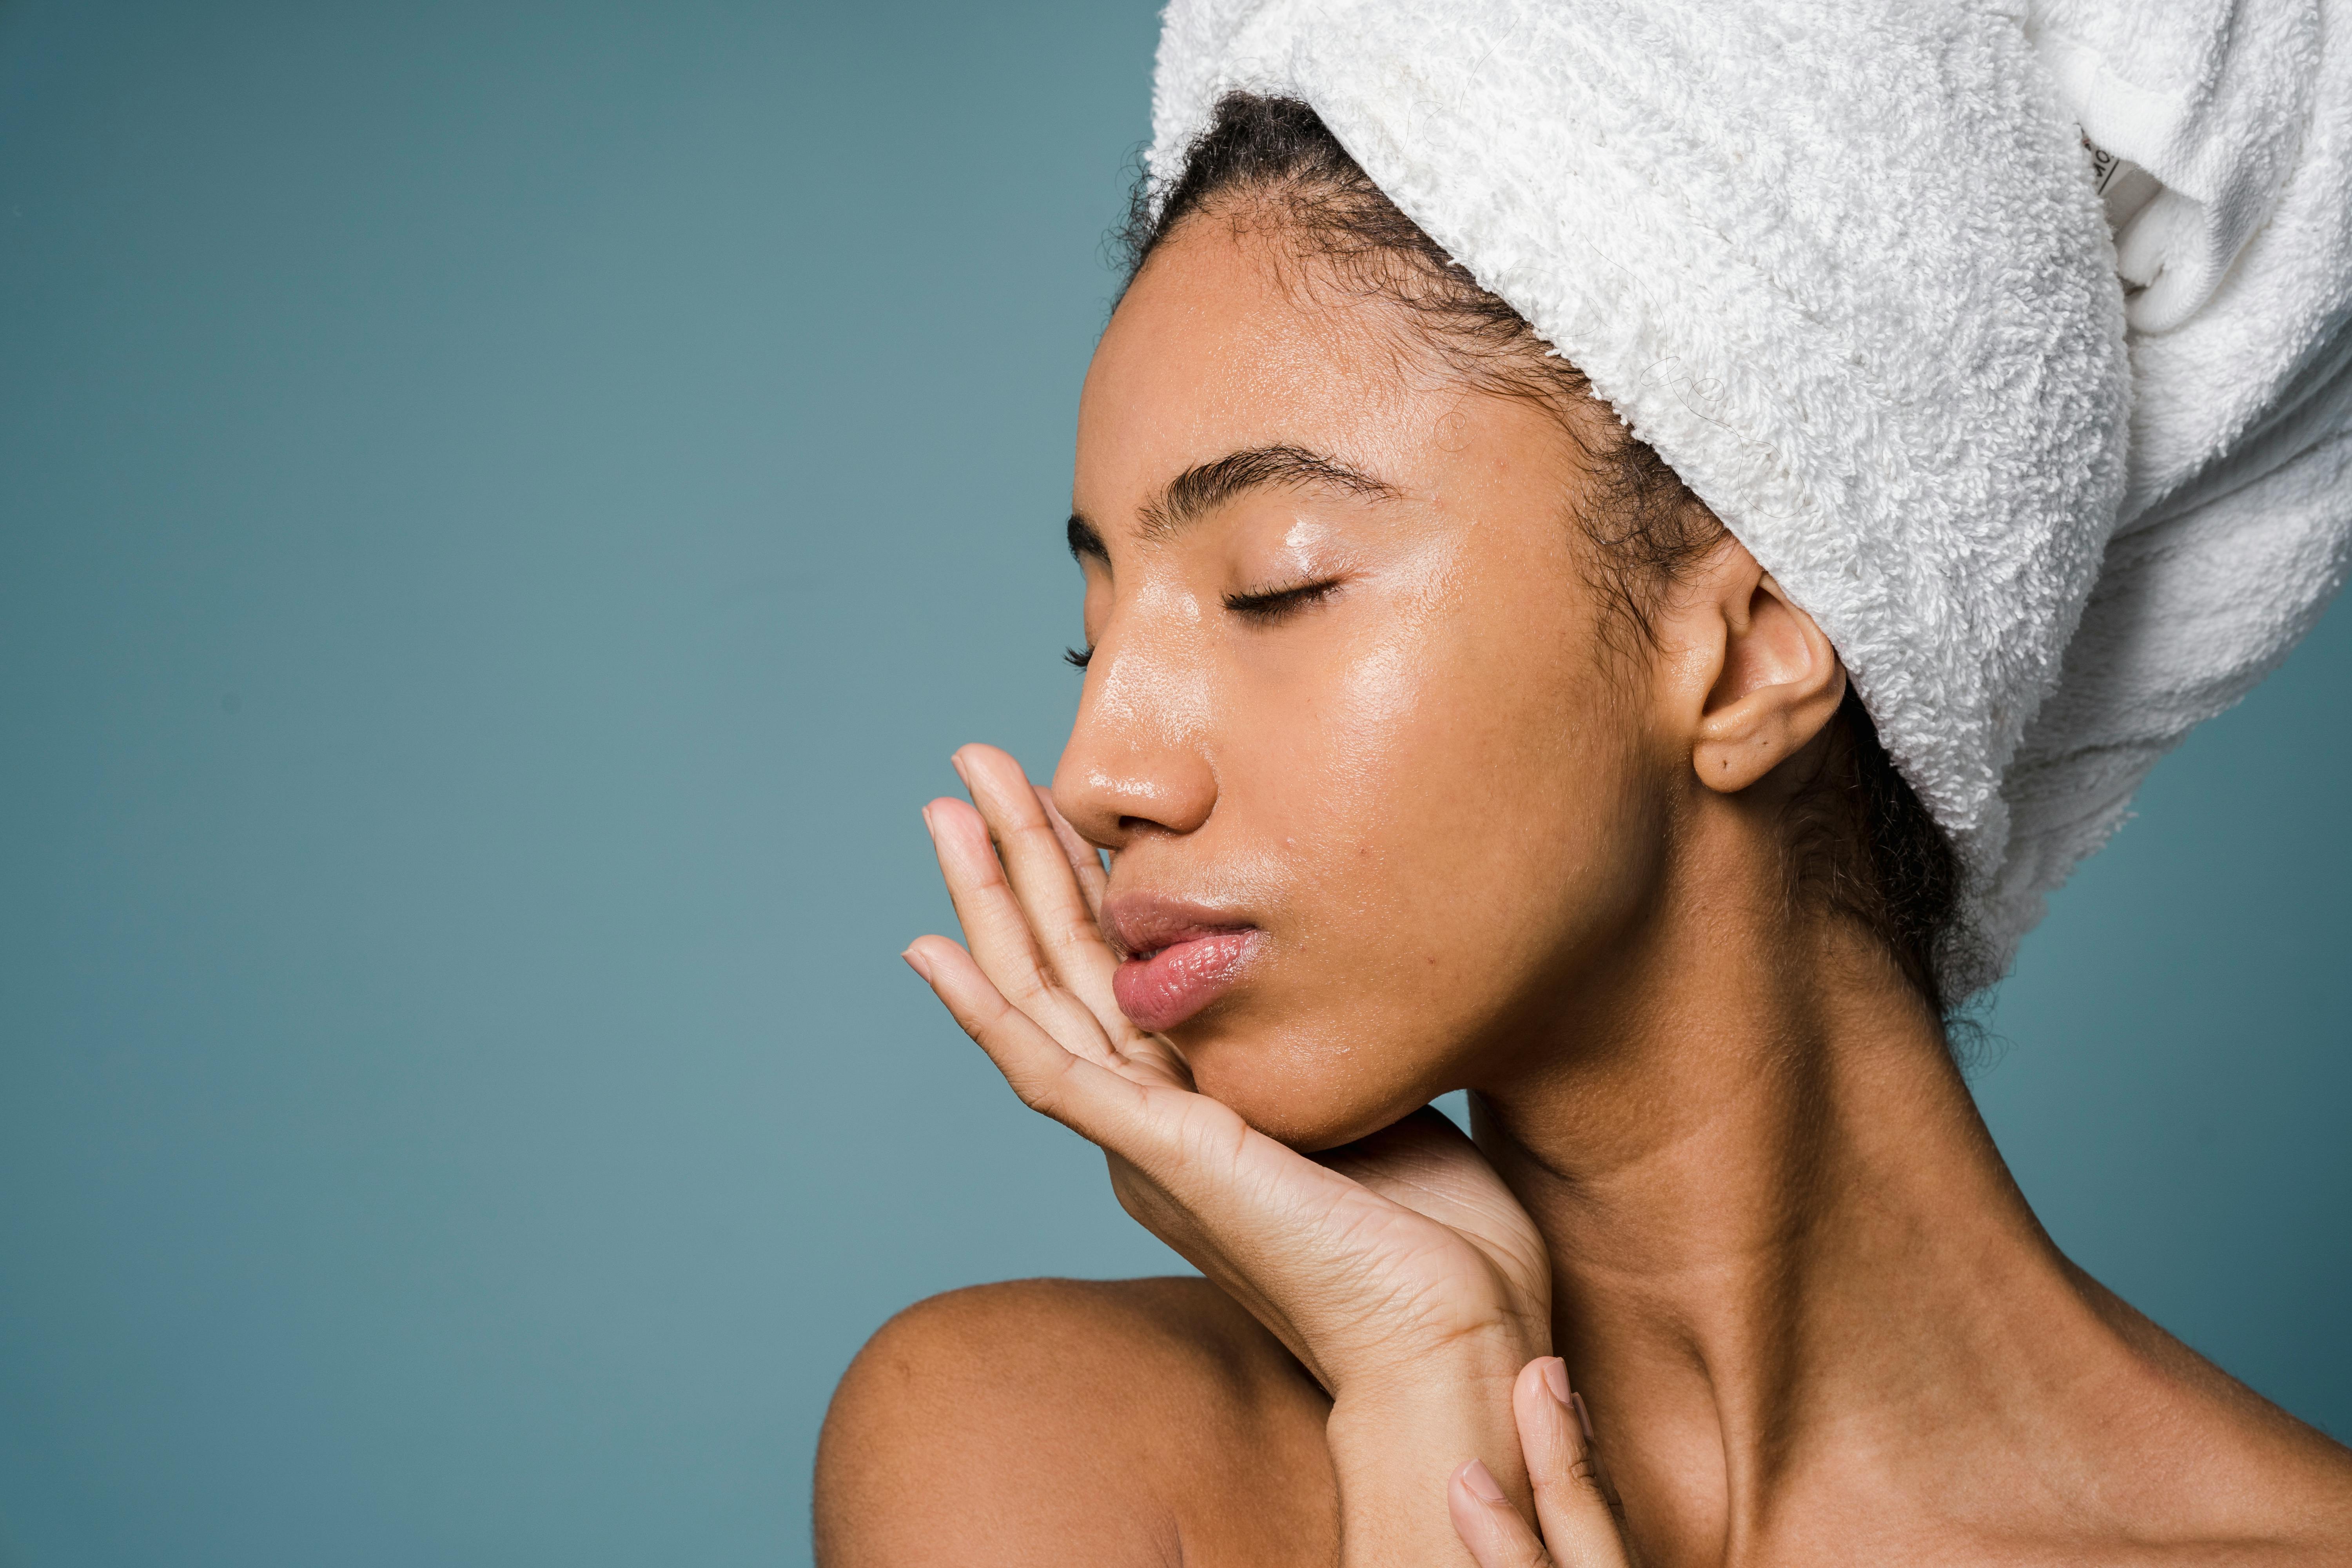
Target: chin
{"type": "Point", "coordinates": [1307, 1091]}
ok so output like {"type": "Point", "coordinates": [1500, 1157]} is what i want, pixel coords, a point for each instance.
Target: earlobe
{"type": "Point", "coordinates": [1778, 685]}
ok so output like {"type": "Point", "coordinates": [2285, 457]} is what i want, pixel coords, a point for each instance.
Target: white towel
{"type": "Point", "coordinates": [1847, 265]}
{"type": "Point", "coordinates": [2236, 523]}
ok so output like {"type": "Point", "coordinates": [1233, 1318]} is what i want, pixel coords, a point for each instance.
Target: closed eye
{"type": "Point", "coordinates": [1279, 603]}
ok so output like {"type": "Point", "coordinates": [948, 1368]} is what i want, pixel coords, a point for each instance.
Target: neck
{"type": "Point", "coordinates": [1786, 1253]}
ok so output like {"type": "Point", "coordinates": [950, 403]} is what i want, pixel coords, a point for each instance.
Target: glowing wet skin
{"type": "Point", "coordinates": [1342, 703]}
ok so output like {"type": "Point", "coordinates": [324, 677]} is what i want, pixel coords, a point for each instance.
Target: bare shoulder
{"type": "Point", "coordinates": [2292, 1480]}
{"type": "Point", "coordinates": [2228, 1476]}
{"type": "Point", "coordinates": [1103, 1422]}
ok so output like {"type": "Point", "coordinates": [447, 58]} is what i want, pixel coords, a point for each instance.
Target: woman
{"type": "Point", "coordinates": [1661, 785]}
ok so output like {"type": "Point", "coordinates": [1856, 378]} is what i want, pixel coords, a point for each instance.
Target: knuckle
{"type": "Point", "coordinates": [1031, 985]}
{"type": "Point", "coordinates": [1036, 830]}
{"type": "Point", "coordinates": [1047, 1091]}
{"type": "Point", "coordinates": [1080, 929]}
{"type": "Point", "coordinates": [1527, 1552]}
{"type": "Point", "coordinates": [1587, 1478]}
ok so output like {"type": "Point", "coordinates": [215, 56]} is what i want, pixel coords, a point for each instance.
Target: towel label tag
{"type": "Point", "coordinates": [2122, 184]}
{"type": "Point", "coordinates": [2104, 165]}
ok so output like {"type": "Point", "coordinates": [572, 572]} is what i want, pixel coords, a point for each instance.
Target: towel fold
{"type": "Point", "coordinates": [2235, 526]}
{"type": "Point", "coordinates": [2056, 493]}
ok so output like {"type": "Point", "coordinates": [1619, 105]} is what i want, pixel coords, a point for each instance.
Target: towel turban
{"type": "Point", "coordinates": [2050, 439]}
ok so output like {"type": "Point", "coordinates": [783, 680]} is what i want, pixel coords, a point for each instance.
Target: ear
{"type": "Point", "coordinates": [1752, 680]}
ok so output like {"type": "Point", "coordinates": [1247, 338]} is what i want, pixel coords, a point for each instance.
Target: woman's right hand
{"type": "Point", "coordinates": [1400, 1269]}
{"type": "Point", "coordinates": [1573, 1502]}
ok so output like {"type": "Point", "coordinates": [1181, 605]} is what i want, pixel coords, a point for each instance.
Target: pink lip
{"type": "Point", "coordinates": [1179, 956]}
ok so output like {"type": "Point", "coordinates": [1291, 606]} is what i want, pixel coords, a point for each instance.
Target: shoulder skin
{"type": "Point", "coordinates": [1136, 1421]}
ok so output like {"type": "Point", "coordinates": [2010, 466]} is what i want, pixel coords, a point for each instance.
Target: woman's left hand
{"type": "Point", "coordinates": [1400, 1269]}
{"type": "Point", "coordinates": [1579, 1526]}
{"type": "Point", "coordinates": [1376, 1264]}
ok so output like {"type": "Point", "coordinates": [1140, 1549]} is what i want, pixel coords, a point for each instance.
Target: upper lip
{"type": "Point", "coordinates": [1141, 924]}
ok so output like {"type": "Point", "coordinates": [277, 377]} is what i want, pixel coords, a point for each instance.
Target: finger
{"type": "Point", "coordinates": [1571, 1502]}
{"type": "Point", "coordinates": [1039, 859]}
{"type": "Point", "coordinates": [1186, 1145]}
{"type": "Point", "coordinates": [1084, 858]}
{"type": "Point", "coordinates": [1488, 1523]}
{"type": "Point", "coordinates": [1596, 1456]}
{"type": "Point", "coordinates": [1045, 879]}
{"type": "Point", "coordinates": [999, 932]}
{"type": "Point", "coordinates": [1083, 1095]}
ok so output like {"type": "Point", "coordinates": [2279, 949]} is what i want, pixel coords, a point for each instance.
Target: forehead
{"type": "Point", "coordinates": [1228, 341]}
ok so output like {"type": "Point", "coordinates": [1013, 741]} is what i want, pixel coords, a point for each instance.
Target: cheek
{"type": "Point", "coordinates": [1459, 807]}
{"type": "Point", "coordinates": [1487, 786]}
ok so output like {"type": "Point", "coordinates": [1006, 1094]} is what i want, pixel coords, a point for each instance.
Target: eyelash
{"type": "Point", "coordinates": [1267, 609]}
{"type": "Point", "coordinates": [1280, 604]}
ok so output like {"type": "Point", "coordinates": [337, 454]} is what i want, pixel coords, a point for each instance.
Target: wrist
{"type": "Point", "coordinates": [1397, 1436]}
{"type": "Point", "coordinates": [1428, 1411]}
{"type": "Point", "coordinates": [1410, 1376]}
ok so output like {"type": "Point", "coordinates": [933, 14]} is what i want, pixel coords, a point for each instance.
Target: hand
{"type": "Point", "coordinates": [1579, 1527]}
{"type": "Point", "coordinates": [1390, 1266]}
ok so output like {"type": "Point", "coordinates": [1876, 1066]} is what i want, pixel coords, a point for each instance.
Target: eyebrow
{"type": "Point", "coordinates": [1204, 486]}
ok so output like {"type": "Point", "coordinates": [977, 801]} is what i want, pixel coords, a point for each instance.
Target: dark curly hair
{"type": "Point", "coordinates": [1860, 840]}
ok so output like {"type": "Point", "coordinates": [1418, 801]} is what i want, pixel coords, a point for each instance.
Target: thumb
{"type": "Point", "coordinates": [1572, 1501]}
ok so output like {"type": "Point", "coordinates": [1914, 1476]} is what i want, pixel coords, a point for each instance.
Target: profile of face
{"type": "Point", "coordinates": [1379, 799]}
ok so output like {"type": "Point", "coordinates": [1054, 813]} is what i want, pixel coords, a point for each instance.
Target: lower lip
{"type": "Point", "coordinates": [1162, 991]}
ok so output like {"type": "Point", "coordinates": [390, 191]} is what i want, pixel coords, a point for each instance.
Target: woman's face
{"type": "Point", "coordinates": [1376, 804]}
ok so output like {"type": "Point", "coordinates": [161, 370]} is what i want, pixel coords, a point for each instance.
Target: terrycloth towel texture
{"type": "Point", "coordinates": [2236, 523]}
{"type": "Point", "coordinates": [1847, 265]}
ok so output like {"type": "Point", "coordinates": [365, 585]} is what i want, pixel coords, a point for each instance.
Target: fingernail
{"type": "Point", "coordinates": [915, 962]}
{"type": "Point", "coordinates": [1481, 1482]}
{"type": "Point", "coordinates": [928, 826]}
{"type": "Point", "coordinates": [956, 762]}
{"type": "Point", "coordinates": [1584, 1417]}
{"type": "Point", "coordinates": [1556, 1377]}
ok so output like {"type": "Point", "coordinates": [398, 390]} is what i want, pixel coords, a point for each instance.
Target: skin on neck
{"type": "Point", "coordinates": [1779, 1232]}
{"type": "Point", "coordinates": [1777, 1223]}
{"type": "Point", "coordinates": [1792, 1274]}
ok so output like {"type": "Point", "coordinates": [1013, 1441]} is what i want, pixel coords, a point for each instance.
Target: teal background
{"type": "Point", "coordinates": [505, 509]}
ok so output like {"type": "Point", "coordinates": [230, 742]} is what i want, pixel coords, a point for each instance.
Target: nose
{"type": "Point", "coordinates": [1138, 760]}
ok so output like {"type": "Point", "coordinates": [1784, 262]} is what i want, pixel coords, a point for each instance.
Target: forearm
{"type": "Point", "coordinates": [1396, 1442]}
